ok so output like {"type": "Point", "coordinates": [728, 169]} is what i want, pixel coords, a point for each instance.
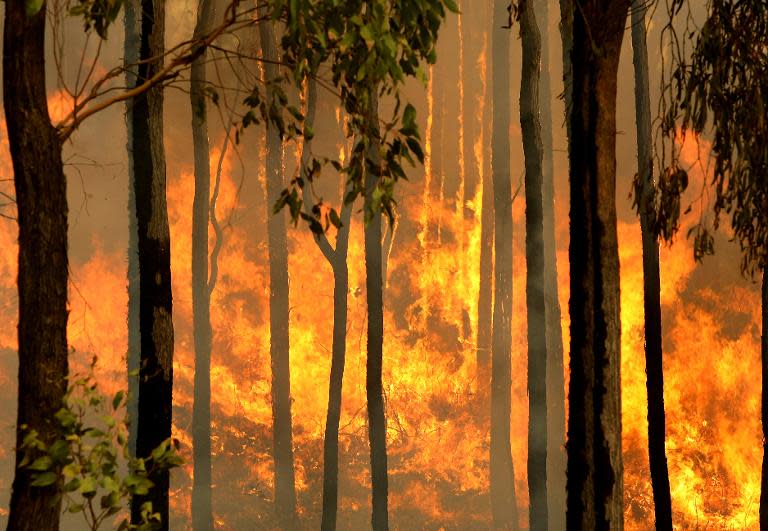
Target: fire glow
{"type": "Point", "coordinates": [438, 435]}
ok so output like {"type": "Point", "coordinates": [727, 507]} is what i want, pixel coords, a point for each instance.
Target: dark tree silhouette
{"type": "Point", "coordinates": [595, 484]}
{"type": "Point", "coordinates": [651, 278]}
{"type": "Point", "coordinates": [41, 201]}
{"type": "Point", "coordinates": [374, 283]}
{"type": "Point", "coordinates": [154, 245]}
{"type": "Point", "coordinates": [533, 149]}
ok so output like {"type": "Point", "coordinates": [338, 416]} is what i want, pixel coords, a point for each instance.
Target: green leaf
{"type": "Point", "coordinates": [451, 5]}
{"type": "Point", "coordinates": [45, 479]}
{"type": "Point", "coordinates": [117, 399]}
{"type": "Point", "coordinates": [32, 7]}
{"type": "Point", "coordinates": [41, 464]}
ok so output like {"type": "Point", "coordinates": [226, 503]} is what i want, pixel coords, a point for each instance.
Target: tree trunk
{"type": "Point", "coordinates": [554, 334]}
{"type": "Point", "coordinates": [154, 244]}
{"type": "Point", "coordinates": [764, 416]}
{"type": "Point", "coordinates": [202, 509]}
{"type": "Point", "coordinates": [377, 431]}
{"type": "Point", "coordinates": [41, 200]}
{"type": "Point", "coordinates": [530, 124]}
{"type": "Point", "coordinates": [485, 294]}
{"type": "Point", "coordinates": [337, 258]}
{"type": "Point", "coordinates": [595, 484]}
{"type": "Point", "coordinates": [282, 435]}
{"type": "Point", "coordinates": [651, 279]}
{"type": "Point", "coordinates": [133, 355]}
{"type": "Point", "coordinates": [503, 499]}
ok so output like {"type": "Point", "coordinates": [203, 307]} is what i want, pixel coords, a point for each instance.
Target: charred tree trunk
{"type": "Point", "coordinates": [764, 415]}
{"type": "Point", "coordinates": [202, 509]}
{"type": "Point", "coordinates": [41, 200]}
{"type": "Point", "coordinates": [282, 435]}
{"type": "Point", "coordinates": [533, 149]}
{"type": "Point", "coordinates": [377, 430]}
{"type": "Point", "coordinates": [554, 333]}
{"type": "Point", "coordinates": [503, 499]}
{"type": "Point", "coordinates": [154, 244]}
{"type": "Point", "coordinates": [595, 484]}
{"type": "Point", "coordinates": [651, 278]}
{"type": "Point", "coordinates": [133, 355]}
{"type": "Point", "coordinates": [485, 295]}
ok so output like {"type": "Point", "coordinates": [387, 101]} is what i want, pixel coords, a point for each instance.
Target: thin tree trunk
{"type": "Point", "coordinates": [133, 355]}
{"type": "Point", "coordinates": [566, 36]}
{"type": "Point", "coordinates": [202, 509]}
{"type": "Point", "coordinates": [473, 91]}
{"type": "Point", "coordinates": [764, 413]}
{"type": "Point", "coordinates": [337, 258]}
{"type": "Point", "coordinates": [285, 483]}
{"type": "Point", "coordinates": [595, 484]}
{"type": "Point", "coordinates": [503, 499]}
{"type": "Point", "coordinates": [651, 279]}
{"type": "Point", "coordinates": [154, 244]}
{"type": "Point", "coordinates": [377, 433]}
{"type": "Point", "coordinates": [485, 295]}
{"type": "Point", "coordinates": [554, 335]}
{"type": "Point", "coordinates": [41, 200]}
{"type": "Point", "coordinates": [530, 124]}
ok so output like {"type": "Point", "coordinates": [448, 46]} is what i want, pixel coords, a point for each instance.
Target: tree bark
{"type": "Point", "coordinates": [154, 244]}
{"type": "Point", "coordinates": [651, 277]}
{"type": "Point", "coordinates": [41, 200]}
{"type": "Point", "coordinates": [337, 258]}
{"type": "Point", "coordinates": [595, 484]}
{"type": "Point", "coordinates": [202, 508]}
{"type": "Point", "coordinates": [282, 435]}
{"type": "Point", "coordinates": [133, 355]}
{"type": "Point", "coordinates": [764, 413]}
{"type": "Point", "coordinates": [502, 474]}
{"type": "Point", "coordinates": [377, 430]}
{"type": "Point", "coordinates": [533, 149]}
{"type": "Point", "coordinates": [554, 334]}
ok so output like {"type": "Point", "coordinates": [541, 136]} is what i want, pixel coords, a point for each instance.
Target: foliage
{"type": "Point", "coordinates": [87, 462]}
{"type": "Point", "coordinates": [723, 89]}
{"type": "Point", "coordinates": [370, 48]}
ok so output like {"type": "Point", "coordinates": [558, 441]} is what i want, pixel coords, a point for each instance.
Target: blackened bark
{"type": "Point", "coordinates": [595, 484]}
{"type": "Point", "coordinates": [377, 431]}
{"type": "Point", "coordinates": [202, 509]}
{"type": "Point", "coordinates": [764, 412]}
{"type": "Point", "coordinates": [503, 499]}
{"type": "Point", "coordinates": [485, 295]}
{"type": "Point", "coordinates": [154, 244]}
{"type": "Point", "coordinates": [436, 182]}
{"type": "Point", "coordinates": [530, 125]}
{"type": "Point", "coordinates": [41, 200]}
{"type": "Point", "coordinates": [651, 279]}
{"type": "Point", "coordinates": [282, 435]}
{"type": "Point", "coordinates": [133, 355]}
{"type": "Point", "coordinates": [555, 373]}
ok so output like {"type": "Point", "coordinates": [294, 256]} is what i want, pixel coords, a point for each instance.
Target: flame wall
{"type": "Point", "coordinates": [438, 437]}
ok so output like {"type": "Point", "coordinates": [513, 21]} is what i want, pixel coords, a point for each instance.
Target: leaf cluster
{"type": "Point", "coordinates": [722, 89]}
{"type": "Point", "coordinates": [89, 462]}
{"type": "Point", "coordinates": [369, 49]}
